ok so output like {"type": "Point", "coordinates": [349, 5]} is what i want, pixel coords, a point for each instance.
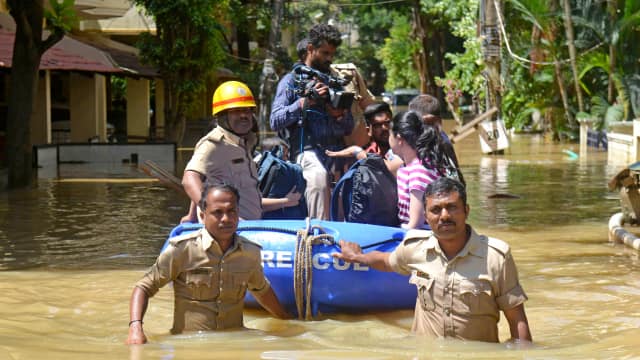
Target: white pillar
{"type": "Point", "coordinates": [585, 124]}
{"type": "Point", "coordinates": [635, 147]}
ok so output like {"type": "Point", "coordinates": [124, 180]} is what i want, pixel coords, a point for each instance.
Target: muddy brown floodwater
{"type": "Point", "coordinates": [70, 252]}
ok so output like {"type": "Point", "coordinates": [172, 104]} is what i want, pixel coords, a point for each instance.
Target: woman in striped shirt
{"type": "Point", "coordinates": [414, 142]}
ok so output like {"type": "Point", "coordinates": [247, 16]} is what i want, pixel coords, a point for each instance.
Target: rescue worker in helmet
{"type": "Point", "coordinates": [225, 155]}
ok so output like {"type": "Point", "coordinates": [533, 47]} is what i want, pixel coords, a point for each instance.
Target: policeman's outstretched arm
{"type": "Point", "coordinates": [137, 308]}
{"type": "Point", "coordinates": [518, 323]}
{"type": "Point", "coordinates": [270, 302]}
{"type": "Point", "coordinates": [351, 252]}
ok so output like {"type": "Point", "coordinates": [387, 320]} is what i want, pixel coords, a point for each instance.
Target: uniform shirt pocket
{"type": "Point", "coordinates": [425, 291]}
{"type": "Point", "coordinates": [476, 297]}
{"type": "Point", "coordinates": [240, 279]}
{"type": "Point", "coordinates": [201, 282]}
{"type": "Point", "coordinates": [239, 172]}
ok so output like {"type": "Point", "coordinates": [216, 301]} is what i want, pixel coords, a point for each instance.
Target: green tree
{"type": "Point", "coordinates": [614, 24]}
{"type": "Point", "coordinates": [373, 24]}
{"type": "Point", "coordinates": [397, 55]}
{"type": "Point", "coordinates": [534, 28]}
{"type": "Point", "coordinates": [29, 16]}
{"type": "Point", "coordinates": [187, 49]}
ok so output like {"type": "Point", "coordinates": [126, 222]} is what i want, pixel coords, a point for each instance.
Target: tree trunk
{"type": "Point", "coordinates": [613, 18]}
{"type": "Point", "coordinates": [175, 117]}
{"type": "Point", "coordinates": [269, 78]}
{"type": "Point", "coordinates": [28, 48]}
{"type": "Point", "coordinates": [22, 92]}
{"type": "Point", "coordinates": [568, 27]}
{"type": "Point", "coordinates": [563, 91]}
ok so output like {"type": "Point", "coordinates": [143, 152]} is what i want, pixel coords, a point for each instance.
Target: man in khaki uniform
{"type": "Point", "coordinates": [224, 154]}
{"type": "Point", "coordinates": [464, 279]}
{"type": "Point", "coordinates": [211, 270]}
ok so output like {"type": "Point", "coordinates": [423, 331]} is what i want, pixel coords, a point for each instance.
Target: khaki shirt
{"type": "Point", "coordinates": [223, 156]}
{"type": "Point", "coordinates": [357, 85]}
{"type": "Point", "coordinates": [209, 286]}
{"type": "Point", "coordinates": [461, 297]}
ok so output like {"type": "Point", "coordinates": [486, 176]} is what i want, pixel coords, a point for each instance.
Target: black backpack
{"type": "Point", "coordinates": [276, 177]}
{"type": "Point", "coordinates": [368, 194]}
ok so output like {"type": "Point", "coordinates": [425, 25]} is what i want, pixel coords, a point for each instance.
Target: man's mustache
{"type": "Point", "coordinates": [449, 222]}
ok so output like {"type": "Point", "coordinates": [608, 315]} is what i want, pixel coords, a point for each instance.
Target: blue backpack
{"type": "Point", "coordinates": [367, 193]}
{"type": "Point", "coordinates": [276, 177]}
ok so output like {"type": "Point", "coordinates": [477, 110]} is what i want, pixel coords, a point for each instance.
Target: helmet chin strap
{"type": "Point", "coordinates": [223, 122]}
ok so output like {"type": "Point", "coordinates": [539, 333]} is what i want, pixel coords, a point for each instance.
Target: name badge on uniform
{"type": "Point", "coordinates": [423, 275]}
{"type": "Point", "coordinates": [237, 161]}
{"type": "Point", "coordinates": [202, 270]}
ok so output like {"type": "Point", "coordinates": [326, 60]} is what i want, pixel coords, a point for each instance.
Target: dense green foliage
{"type": "Point", "coordinates": [605, 38]}
{"type": "Point", "coordinates": [536, 74]}
{"type": "Point", "coordinates": [187, 48]}
{"type": "Point", "coordinates": [397, 55]}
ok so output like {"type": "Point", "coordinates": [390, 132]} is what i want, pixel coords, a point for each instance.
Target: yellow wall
{"type": "Point", "coordinates": [138, 94]}
{"type": "Point", "coordinates": [88, 107]}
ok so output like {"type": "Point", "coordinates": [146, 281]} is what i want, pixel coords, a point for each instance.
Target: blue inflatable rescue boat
{"type": "Point", "coordinates": [296, 253]}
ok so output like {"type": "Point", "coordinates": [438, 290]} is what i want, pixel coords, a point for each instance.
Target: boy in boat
{"type": "Point", "coordinates": [464, 279]}
{"type": "Point", "coordinates": [211, 270]}
{"type": "Point", "coordinates": [377, 118]}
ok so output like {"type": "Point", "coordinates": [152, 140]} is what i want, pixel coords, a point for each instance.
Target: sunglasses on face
{"type": "Point", "coordinates": [381, 124]}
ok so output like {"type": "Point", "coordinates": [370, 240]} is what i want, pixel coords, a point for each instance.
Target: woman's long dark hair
{"type": "Point", "coordinates": [424, 138]}
{"type": "Point", "coordinates": [408, 125]}
{"type": "Point", "coordinates": [430, 149]}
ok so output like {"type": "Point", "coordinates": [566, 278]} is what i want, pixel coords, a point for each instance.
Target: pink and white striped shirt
{"type": "Point", "coordinates": [413, 176]}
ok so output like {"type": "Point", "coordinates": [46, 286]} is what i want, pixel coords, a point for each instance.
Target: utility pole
{"type": "Point", "coordinates": [492, 133]}
{"type": "Point", "coordinates": [269, 78]}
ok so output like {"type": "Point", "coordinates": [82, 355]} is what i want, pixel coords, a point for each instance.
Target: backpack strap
{"type": "Point", "coordinates": [340, 185]}
{"type": "Point", "coordinates": [266, 162]}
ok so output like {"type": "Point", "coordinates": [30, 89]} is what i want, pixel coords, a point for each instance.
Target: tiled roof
{"type": "Point", "coordinates": [124, 56]}
{"type": "Point", "coordinates": [67, 54]}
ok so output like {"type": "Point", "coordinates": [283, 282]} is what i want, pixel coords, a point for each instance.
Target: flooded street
{"type": "Point", "coordinates": [70, 252]}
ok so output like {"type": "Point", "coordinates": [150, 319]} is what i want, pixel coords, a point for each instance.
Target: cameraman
{"type": "Point", "coordinates": [307, 120]}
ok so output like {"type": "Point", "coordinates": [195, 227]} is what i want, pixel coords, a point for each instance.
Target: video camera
{"type": "Point", "coordinates": [305, 78]}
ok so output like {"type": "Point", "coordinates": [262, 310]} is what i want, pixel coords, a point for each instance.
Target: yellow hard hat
{"type": "Point", "coordinates": [231, 95]}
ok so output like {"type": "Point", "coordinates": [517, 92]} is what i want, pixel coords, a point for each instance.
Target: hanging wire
{"type": "Point", "coordinates": [525, 60]}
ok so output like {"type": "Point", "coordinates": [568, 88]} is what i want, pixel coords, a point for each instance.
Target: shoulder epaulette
{"type": "Point", "coordinates": [249, 241]}
{"type": "Point", "coordinates": [215, 135]}
{"type": "Point", "coordinates": [416, 234]}
{"type": "Point", "coordinates": [180, 238]}
{"type": "Point", "coordinates": [498, 245]}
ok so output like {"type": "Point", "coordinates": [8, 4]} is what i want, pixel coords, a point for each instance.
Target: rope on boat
{"type": "Point", "coordinates": [303, 266]}
{"type": "Point", "coordinates": [618, 234]}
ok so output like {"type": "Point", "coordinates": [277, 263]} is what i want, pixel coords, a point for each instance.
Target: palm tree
{"type": "Point", "coordinates": [568, 27]}
{"type": "Point", "coordinates": [545, 44]}
{"type": "Point", "coordinates": [615, 24]}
